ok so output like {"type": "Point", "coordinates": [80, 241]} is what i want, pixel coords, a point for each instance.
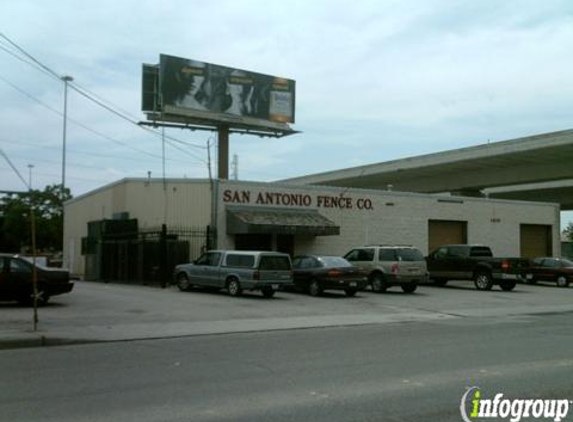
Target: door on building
{"type": "Point", "coordinates": [253, 242]}
{"type": "Point", "coordinates": [285, 243]}
{"type": "Point", "coordinates": [535, 240]}
{"type": "Point", "coordinates": [445, 232]}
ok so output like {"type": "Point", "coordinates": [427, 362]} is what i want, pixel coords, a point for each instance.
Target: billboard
{"type": "Point", "coordinates": [149, 87]}
{"type": "Point", "coordinates": [190, 87]}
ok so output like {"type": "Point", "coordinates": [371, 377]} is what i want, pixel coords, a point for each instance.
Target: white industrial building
{"type": "Point", "coordinates": [301, 218]}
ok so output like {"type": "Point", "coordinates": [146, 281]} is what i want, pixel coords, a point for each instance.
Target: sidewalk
{"type": "Point", "coordinates": [97, 312]}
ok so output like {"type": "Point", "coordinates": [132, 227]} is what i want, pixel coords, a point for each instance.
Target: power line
{"type": "Point", "coordinates": [90, 154]}
{"type": "Point", "coordinates": [85, 179]}
{"type": "Point", "coordinates": [133, 119]}
{"type": "Point", "coordinates": [95, 132]}
{"type": "Point", "coordinates": [125, 116]}
{"type": "Point", "coordinates": [53, 175]}
{"type": "Point", "coordinates": [2, 153]}
{"type": "Point", "coordinates": [43, 104]}
{"type": "Point", "coordinates": [103, 100]}
{"type": "Point", "coordinates": [43, 160]}
{"type": "Point", "coordinates": [46, 68]}
{"type": "Point", "coordinates": [169, 139]}
{"type": "Point", "coordinates": [92, 98]}
{"type": "Point", "coordinates": [12, 53]}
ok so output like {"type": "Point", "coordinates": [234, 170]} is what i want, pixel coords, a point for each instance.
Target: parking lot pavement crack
{"type": "Point", "coordinates": [447, 313]}
{"type": "Point", "coordinates": [413, 310]}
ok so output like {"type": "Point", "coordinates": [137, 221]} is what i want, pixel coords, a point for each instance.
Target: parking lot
{"type": "Point", "coordinates": [114, 312]}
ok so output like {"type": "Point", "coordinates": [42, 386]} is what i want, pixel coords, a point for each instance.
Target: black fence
{"type": "Point", "coordinates": [147, 256]}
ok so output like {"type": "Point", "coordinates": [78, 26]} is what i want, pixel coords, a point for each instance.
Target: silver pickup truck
{"type": "Point", "coordinates": [237, 271]}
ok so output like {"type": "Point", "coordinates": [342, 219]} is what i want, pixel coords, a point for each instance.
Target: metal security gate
{"type": "Point", "coordinates": [148, 257]}
{"type": "Point", "coordinates": [535, 240]}
{"type": "Point", "coordinates": [443, 232]}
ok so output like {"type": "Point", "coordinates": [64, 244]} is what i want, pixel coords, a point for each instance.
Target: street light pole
{"type": "Point", "coordinates": [30, 167]}
{"type": "Point", "coordinates": [66, 79]}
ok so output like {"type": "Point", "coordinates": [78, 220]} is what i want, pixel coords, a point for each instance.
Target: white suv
{"type": "Point", "coordinates": [390, 265]}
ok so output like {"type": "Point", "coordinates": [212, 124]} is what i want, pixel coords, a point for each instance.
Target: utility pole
{"type": "Point", "coordinates": [223, 154]}
{"type": "Point", "coordinates": [235, 167]}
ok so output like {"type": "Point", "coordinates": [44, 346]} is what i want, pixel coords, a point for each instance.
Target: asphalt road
{"type": "Point", "coordinates": [415, 371]}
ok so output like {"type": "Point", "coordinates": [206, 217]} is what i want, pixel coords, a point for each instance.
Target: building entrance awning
{"type": "Point", "coordinates": [250, 220]}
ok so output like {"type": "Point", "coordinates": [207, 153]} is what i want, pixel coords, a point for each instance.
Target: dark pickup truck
{"type": "Point", "coordinates": [475, 262]}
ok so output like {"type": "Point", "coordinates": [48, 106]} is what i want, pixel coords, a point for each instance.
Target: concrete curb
{"type": "Point", "coordinates": [150, 331]}
{"type": "Point", "coordinates": [59, 336]}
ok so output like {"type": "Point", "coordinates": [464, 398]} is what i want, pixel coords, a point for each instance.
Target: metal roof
{"type": "Point", "coordinates": [538, 168]}
{"type": "Point", "coordinates": [249, 220]}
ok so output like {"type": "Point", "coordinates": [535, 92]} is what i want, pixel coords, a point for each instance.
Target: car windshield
{"type": "Point", "coordinates": [567, 263]}
{"type": "Point", "coordinates": [333, 261]}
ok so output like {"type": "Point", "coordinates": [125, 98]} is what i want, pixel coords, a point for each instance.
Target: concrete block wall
{"type": "Point", "coordinates": [368, 216]}
{"type": "Point", "coordinates": [400, 218]}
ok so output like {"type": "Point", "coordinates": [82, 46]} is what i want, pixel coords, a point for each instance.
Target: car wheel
{"type": "Point", "coordinates": [483, 281]}
{"type": "Point", "coordinates": [508, 286]}
{"type": "Point", "coordinates": [183, 282]}
{"type": "Point", "coordinates": [234, 287]}
{"type": "Point", "coordinates": [440, 282]}
{"type": "Point", "coordinates": [350, 292]}
{"type": "Point", "coordinates": [268, 293]}
{"type": "Point", "coordinates": [409, 288]}
{"type": "Point", "coordinates": [378, 283]}
{"type": "Point", "coordinates": [315, 289]}
{"type": "Point", "coordinates": [562, 281]}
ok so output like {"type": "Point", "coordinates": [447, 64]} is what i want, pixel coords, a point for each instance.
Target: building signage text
{"type": "Point", "coordinates": [296, 200]}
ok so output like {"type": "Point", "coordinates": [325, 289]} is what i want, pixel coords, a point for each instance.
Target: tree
{"type": "Point", "coordinates": [568, 231]}
{"type": "Point", "coordinates": [15, 232]}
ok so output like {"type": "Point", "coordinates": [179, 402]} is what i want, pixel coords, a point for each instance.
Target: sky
{"type": "Point", "coordinates": [375, 81]}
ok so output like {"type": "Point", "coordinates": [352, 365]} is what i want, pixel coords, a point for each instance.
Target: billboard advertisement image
{"type": "Point", "coordinates": [191, 85]}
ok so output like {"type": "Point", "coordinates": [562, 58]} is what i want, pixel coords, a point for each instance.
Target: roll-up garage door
{"type": "Point", "coordinates": [535, 240]}
{"type": "Point", "coordinates": [442, 232]}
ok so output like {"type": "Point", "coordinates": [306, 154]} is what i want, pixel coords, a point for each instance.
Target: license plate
{"type": "Point", "coordinates": [529, 276]}
{"type": "Point", "coordinates": [275, 286]}
{"type": "Point", "coordinates": [352, 284]}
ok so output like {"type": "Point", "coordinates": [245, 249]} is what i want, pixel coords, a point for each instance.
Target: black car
{"type": "Point", "coordinates": [315, 274]}
{"type": "Point", "coordinates": [16, 274]}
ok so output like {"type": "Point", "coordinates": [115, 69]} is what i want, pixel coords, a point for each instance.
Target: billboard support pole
{"type": "Point", "coordinates": [223, 132]}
